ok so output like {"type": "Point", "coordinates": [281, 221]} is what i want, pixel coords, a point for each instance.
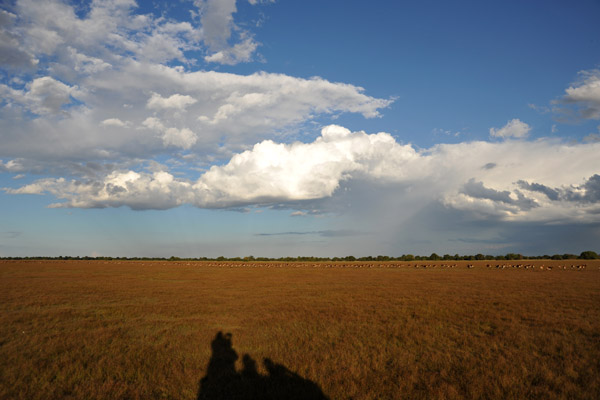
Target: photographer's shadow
{"type": "Point", "coordinates": [222, 381]}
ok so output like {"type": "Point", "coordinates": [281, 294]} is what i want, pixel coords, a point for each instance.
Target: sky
{"type": "Point", "coordinates": [274, 128]}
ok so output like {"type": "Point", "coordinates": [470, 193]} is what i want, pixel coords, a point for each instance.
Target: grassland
{"type": "Point", "coordinates": [136, 330]}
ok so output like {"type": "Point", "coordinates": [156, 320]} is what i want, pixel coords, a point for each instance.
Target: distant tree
{"type": "Point", "coordinates": [479, 256]}
{"type": "Point", "coordinates": [434, 257]}
{"type": "Point", "coordinates": [589, 255]}
{"type": "Point", "coordinates": [513, 256]}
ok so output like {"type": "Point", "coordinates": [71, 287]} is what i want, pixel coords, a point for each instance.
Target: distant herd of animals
{"type": "Point", "coordinates": [359, 264]}
{"type": "Point", "coordinates": [541, 267]}
{"type": "Point", "coordinates": [390, 265]}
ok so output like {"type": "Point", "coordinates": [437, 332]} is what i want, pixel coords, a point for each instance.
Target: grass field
{"type": "Point", "coordinates": [206, 330]}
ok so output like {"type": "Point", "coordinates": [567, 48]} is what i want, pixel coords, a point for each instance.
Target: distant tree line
{"type": "Point", "coordinates": [586, 255]}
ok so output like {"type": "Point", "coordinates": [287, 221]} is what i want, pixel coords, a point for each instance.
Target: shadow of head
{"type": "Point", "coordinates": [222, 381]}
{"type": "Point", "coordinates": [222, 361]}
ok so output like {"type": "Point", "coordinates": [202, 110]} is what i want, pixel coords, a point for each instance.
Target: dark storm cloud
{"type": "Point", "coordinates": [458, 231]}
{"type": "Point", "coordinates": [552, 194]}
{"type": "Point", "coordinates": [477, 190]}
{"type": "Point", "coordinates": [324, 233]}
{"type": "Point", "coordinates": [589, 192]}
{"type": "Point", "coordinates": [591, 188]}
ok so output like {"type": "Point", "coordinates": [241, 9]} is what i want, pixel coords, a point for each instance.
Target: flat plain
{"type": "Point", "coordinates": [364, 330]}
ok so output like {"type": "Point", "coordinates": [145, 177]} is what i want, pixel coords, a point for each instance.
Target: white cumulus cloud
{"type": "Point", "coordinates": [183, 138]}
{"type": "Point", "coordinates": [509, 180]}
{"type": "Point", "coordinates": [513, 128]}
{"type": "Point", "coordinates": [299, 171]}
{"type": "Point", "coordinates": [218, 24]}
{"type": "Point", "coordinates": [41, 96]}
{"type": "Point", "coordinates": [12, 54]}
{"type": "Point", "coordinates": [240, 52]}
{"type": "Point", "coordinates": [176, 101]}
{"type": "Point", "coordinates": [585, 95]}
{"type": "Point", "coordinates": [114, 122]}
{"type": "Point", "coordinates": [109, 63]}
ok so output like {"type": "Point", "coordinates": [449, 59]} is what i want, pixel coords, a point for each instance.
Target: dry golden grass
{"type": "Point", "coordinates": [129, 330]}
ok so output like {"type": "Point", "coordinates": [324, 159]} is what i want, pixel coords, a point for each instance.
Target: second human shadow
{"type": "Point", "coordinates": [222, 381]}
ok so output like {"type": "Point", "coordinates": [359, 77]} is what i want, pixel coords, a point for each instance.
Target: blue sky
{"type": "Point", "coordinates": [280, 128]}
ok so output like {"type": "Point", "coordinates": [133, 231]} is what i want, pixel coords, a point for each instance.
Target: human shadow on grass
{"type": "Point", "coordinates": [222, 381]}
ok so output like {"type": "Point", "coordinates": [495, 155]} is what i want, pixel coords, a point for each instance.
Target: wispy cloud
{"type": "Point", "coordinates": [323, 233]}
{"type": "Point", "coordinates": [11, 234]}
